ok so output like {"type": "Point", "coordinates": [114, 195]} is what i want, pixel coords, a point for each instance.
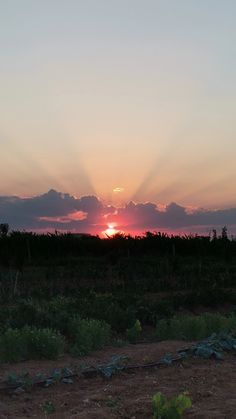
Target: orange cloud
{"type": "Point", "coordinates": [73, 216]}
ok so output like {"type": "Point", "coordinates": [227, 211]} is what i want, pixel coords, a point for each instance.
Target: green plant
{"type": "Point", "coordinates": [55, 313]}
{"type": "Point", "coordinates": [20, 380]}
{"type": "Point", "coordinates": [194, 327]}
{"type": "Point", "coordinates": [105, 307]}
{"type": "Point", "coordinates": [117, 363]}
{"type": "Point", "coordinates": [30, 343]}
{"type": "Point", "coordinates": [134, 332]}
{"type": "Point", "coordinates": [170, 409]}
{"type": "Point", "coordinates": [43, 343]}
{"type": "Point", "coordinates": [113, 403]}
{"type": "Point", "coordinates": [11, 346]}
{"type": "Point", "coordinates": [59, 312]}
{"type": "Point", "coordinates": [88, 335]}
{"type": "Point", "coordinates": [48, 408]}
{"type": "Point", "coordinates": [26, 312]}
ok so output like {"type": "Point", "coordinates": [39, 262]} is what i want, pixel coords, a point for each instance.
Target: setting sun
{"type": "Point", "coordinates": [111, 230]}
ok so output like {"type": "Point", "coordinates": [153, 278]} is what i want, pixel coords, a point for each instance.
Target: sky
{"type": "Point", "coordinates": [128, 102]}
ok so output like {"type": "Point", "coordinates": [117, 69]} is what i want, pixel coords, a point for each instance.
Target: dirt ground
{"type": "Point", "coordinates": [211, 385]}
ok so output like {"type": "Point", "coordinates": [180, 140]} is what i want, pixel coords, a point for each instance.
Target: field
{"type": "Point", "coordinates": [70, 300]}
{"type": "Point", "coordinates": [210, 384]}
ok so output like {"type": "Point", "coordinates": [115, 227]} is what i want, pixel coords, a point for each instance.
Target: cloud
{"type": "Point", "coordinates": [51, 210]}
{"type": "Point", "coordinates": [73, 216]}
{"type": "Point", "coordinates": [61, 211]}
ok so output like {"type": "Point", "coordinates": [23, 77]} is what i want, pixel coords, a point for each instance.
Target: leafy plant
{"type": "Point", "coordinates": [55, 314]}
{"type": "Point", "coordinates": [116, 364]}
{"type": "Point", "coordinates": [113, 403]}
{"type": "Point", "coordinates": [30, 343]}
{"type": "Point", "coordinates": [42, 343]}
{"type": "Point", "coordinates": [88, 335]}
{"type": "Point", "coordinates": [22, 380]}
{"type": "Point", "coordinates": [170, 409]}
{"type": "Point", "coordinates": [134, 332]}
{"type": "Point", "coordinates": [105, 307]}
{"type": "Point", "coordinates": [48, 408]}
{"type": "Point", "coordinates": [194, 327]}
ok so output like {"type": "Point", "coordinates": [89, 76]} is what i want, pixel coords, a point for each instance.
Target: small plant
{"type": "Point", "coordinates": [48, 408]}
{"type": "Point", "coordinates": [134, 332]}
{"type": "Point", "coordinates": [116, 364]}
{"type": "Point", "coordinates": [88, 335]}
{"type": "Point", "coordinates": [113, 403]}
{"type": "Point", "coordinates": [22, 380]}
{"type": "Point", "coordinates": [170, 409]}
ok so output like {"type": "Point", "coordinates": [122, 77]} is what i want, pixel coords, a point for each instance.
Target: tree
{"type": "Point", "coordinates": [224, 233]}
{"type": "Point", "coordinates": [4, 229]}
{"type": "Point", "coordinates": [214, 234]}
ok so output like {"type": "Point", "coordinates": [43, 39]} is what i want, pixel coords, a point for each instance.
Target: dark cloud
{"type": "Point", "coordinates": [51, 210]}
{"type": "Point", "coordinates": [56, 210]}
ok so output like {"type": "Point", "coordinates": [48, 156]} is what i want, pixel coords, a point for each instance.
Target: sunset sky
{"type": "Point", "coordinates": [128, 102]}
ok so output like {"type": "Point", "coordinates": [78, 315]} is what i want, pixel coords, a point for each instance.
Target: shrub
{"type": "Point", "coordinates": [4, 318]}
{"type": "Point", "coordinates": [55, 314]}
{"type": "Point", "coordinates": [11, 346]}
{"type": "Point", "coordinates": [148, 311]}
{"type": "Point", "coordinates": [134, 332]}
{"type": "Point", "coordinates": [105, 307]}
{"type": "Point", "coordinates": [30, 343]}
{"type": "Point", "coordinates": [164, 329]}
{"type": "Point", "coordinates": [194, 327]}
{"type": "Point", "coordinates": [43, 343]}
{"type": "Point", "coordinates": [172, 409]}
{"type": "Point", "coordinates": [59, 312]}
{"type": "Point", "coordinates": [88, 335]}
{"type": "Point", "coordinates": [26, 312]}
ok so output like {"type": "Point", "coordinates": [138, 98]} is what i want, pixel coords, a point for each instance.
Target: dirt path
{"type": "Point", "coordinates": [211, 385]}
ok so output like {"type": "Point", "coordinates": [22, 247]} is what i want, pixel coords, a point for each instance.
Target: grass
{"type": "Point", "coordinates": [194, 327]}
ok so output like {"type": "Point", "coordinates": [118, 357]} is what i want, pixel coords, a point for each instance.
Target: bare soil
{"type": "Point", "coordinates": [211, 385]}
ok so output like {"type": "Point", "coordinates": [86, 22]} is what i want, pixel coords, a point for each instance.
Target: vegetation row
{"type": "Point", "coordinates": [71, 333]}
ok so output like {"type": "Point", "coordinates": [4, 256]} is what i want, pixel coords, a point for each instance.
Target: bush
{"type": "Point", "coordinates": [88, 335]}
{"type": "Point", "coordinates": [149, 310]}
{"type": "Point", "coordinates": [11, 346]}
{"type": "Point", "coordinates": [119, 318]}
{"type": "Point", "coordinates": [194, 327]}
{"type": "Point", "coordinates": [105, 307]}
{"type": "Point", "coordinates": [30, 343]}
{"type": "Point", "coordinates": [54, 314]}
{"type": "Point", "coordinates": [26, 312]}
{"type": "Point", "coordinates": [59, 312]}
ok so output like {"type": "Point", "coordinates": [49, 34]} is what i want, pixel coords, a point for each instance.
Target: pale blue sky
{"type": "Point", "coordinates": [137, 94]}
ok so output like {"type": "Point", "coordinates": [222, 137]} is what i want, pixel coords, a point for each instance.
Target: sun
{"type": "Point", "coordinates": [111, 230]}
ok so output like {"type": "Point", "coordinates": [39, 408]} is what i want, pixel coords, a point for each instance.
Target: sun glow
{"type": "Point", "coordinates": [111, 230]}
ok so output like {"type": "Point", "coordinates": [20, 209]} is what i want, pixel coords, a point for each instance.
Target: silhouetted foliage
{"type": "Point", "coordinates": [47, 265]}
{"type": "Point", "coordinates": [224, 233]}
{"type": "Point", "coordinates": [4, 229]}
